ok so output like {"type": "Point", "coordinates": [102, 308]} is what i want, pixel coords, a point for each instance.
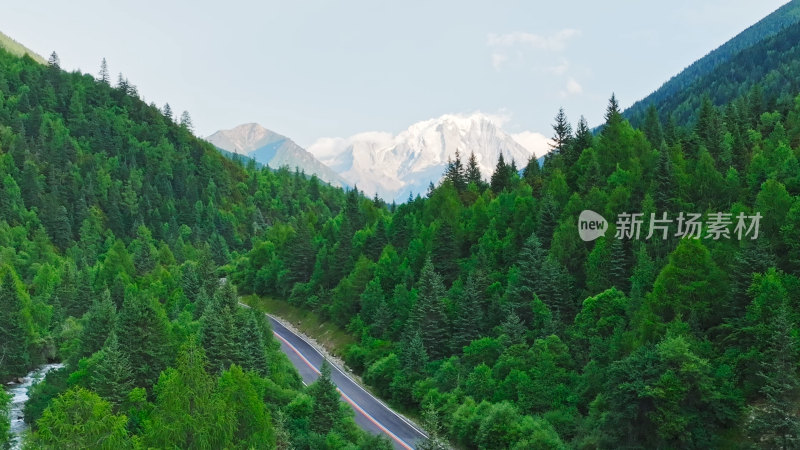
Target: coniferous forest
{"type": "Point", "coordinates": [115, 222]}
{"type": "Point", "coordinates": [125, 242]}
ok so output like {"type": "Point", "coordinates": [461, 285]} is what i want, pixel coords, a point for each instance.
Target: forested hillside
{"type": "Point", "coordinates": [124, 241]}
{"type": "Point", "coordinates": [481, 306]}
{"type": "Point", "coordinates": [114, 220]}
{"type": "Point", "coordinates": [725, 73]}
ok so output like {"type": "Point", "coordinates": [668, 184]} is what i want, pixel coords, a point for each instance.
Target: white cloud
{"type": "Point", "coordinates": [534, 142]}
{"type": "Point", "coordinates": [512, 48]}
{"type": "Point", "coordinates": [498, 59]}
{"type": "Point", "coordinates": [573, 87]}
{"type": "Point", "coordinates": [553, 42]}
{"type": "Point", "coordinates": [560, 68]}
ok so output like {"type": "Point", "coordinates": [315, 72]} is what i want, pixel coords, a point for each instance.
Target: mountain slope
{"type": "Point", "coordinates": [394, 166]}
{"type": "Point", "coordinates": [701, 75]}
{"type": "Point", "coordinates": [17, 49]}
{"type": "Point", "coordinates": [114, 222]}
{"type": "Point", "coordinates": [272, 149]}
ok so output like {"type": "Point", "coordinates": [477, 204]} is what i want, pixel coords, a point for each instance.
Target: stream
{"type": "Point", "coordinates": [19, 395]}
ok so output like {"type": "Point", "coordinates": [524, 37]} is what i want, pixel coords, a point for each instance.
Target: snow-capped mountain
{"type": "Point", "coordinates": [395, 165]}
{"type": "Point", "coordinates": [272, 149]}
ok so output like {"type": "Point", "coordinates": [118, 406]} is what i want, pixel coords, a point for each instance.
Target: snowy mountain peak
{"type": "Point", "coordinates": [394, 165]}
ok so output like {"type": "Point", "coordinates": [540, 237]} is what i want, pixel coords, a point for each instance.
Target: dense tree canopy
{"type": "Point", "coordinates": [114, 222]}
{"type": "Point", "coordinates": [479, 304]}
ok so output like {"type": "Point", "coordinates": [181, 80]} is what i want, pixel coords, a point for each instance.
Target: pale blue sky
{"type": "Point", "coordinates": [310, 69]}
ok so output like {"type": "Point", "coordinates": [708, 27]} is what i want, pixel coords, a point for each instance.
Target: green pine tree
{"type": "Point", "coordinates": [112, 378]}
{"type": "Point", "coordinates": [14, 357]}
{"type": "Point", "coordinates": [143, 336]}
{"type": "Point", "coordinates": [98, 322]}
{"type": "Point", "coordinates": [427, 315]}
{"type": "Point", "coordinates": [775, 422]}
{"type": "Point", "coordinates": [473, 172]}
{"type": "Point", "coordinates": [327, 411]}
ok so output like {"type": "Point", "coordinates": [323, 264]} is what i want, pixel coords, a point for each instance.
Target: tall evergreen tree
{"type": "Point", "coordinates": [413, 356]}
{"type": "Point", "coordinates": [218, 335]}
{"type": "Point", "coordinates": [501, 178]}
{"type": "Point", "coordinates": [326, 406]}
{"type": "Point", "coordinates": [186, 121]}
{"type": "Point", "coordinates": [583, 138]}
{"type": "Point", "coordinates": [80, 419]}
{"type": "Point", "coordinates": [473, 171]}
{"type": "Point", "coordinates": [618, 267]}
{"type": "Point", "coordinates": [98, 322]}
{"type": "Point", "coordinates": [167, 111]}
{"type": "Point", "coordinates": [5, 425]}
{"type": "Point", "coordinates": [427, 315]}
{"type": "Point", "coordinates": [775, 423]}
{"type": "Point", "coordinates": [143, 337]}
{"type": "Point", "coordinates": [14, 357]}
{"type": "Point", "coordinates": [652, 127]}
{"type": "Point", "coordinates": [112, 378]}
{"type": "Point", "coordinates": [469, 315]}
{"type": "Point", "coordinates": [613, 114]}
{"type": "Point", "coordinates": [514, 329]}
{"type": "Point", "coordinates": [104, 77]}
{"type": "Point", "coordinates": [455, 173]}
{"type": "Point", "coordinates": [532, 174]}
{"type": "Point", "coordinates": [54, 61]}
{"type": "Point", "coordinates": [524, 279]}
{"type": "Point", "coordinates": [250, 343]}
{"type": "Point", "coordinates": [663, 182]}
{"type": "Point", "coordinates": [188, 414]}
{"type": "Point", "coordinates": [562, 134]}
{"type": "Point", "coordinates": [446, 252]}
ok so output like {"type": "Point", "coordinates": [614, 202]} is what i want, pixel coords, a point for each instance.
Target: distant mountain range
{"type": "Point", "coordinates": [766, 53]}
{"type": "Point", "coordinates": [391, 166]}
{"type": "Point", "coordinates": [394, 166]}
{"type": "Point", "coordinates": [272, 149]}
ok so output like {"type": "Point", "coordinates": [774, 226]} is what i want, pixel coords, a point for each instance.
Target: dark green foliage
{"type": "Point", "coordinates": [469, 313]}
{"type": "Point", "coordinates": [5, 426]}
{"type": "Point", "coordinates": [143, 338]}
{"type": "Point", "coordinates": [775, 422]}
{"type": "Point", "coordinates": [455, 173]}
{"type": "Point", "coordinates": [507, 342]}
{"type": "Point", "coordinates": [472, 172]}
{"type": "Point", "coordinates": [727, 71]}
{"type": "Point", "coordinates": [42, 393]}
{"type": "Point", "coordinates": [501, 178]}
{"type": "Point", "coordinates": [98, 322]}
{"type": "Point", "coordinates": [80, 419]}
{"type": "Point", "coordinates": [14, 357]}
{"type": "Point", "coordinates": [427, 316]}
{"type": "Point", "coordinates": [188, 414]}
{"type": "Point", "coordinates": [219, 335]}
{"type": "Point", "coordinates": [640, 343]}
{"type": "Point", "coordinates": [112, 377]}
{"type": "Point", "coordinates": [327, 411]}
{"type": "Point", "coordinates": [114, 223]}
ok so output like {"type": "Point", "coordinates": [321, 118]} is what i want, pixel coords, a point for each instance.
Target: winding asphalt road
{"type": "Point", "coordinates": [371, 414]}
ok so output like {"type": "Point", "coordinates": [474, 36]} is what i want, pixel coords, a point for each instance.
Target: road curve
{"type": "Point", "coordinates": [371, 414]}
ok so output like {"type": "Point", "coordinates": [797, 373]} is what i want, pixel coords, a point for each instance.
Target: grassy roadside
{"type": "Point", "coordinates": [326, 333]}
